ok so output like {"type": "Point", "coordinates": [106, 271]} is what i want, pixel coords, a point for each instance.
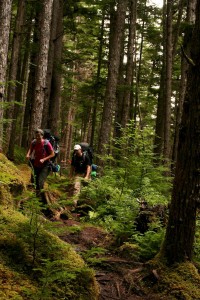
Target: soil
{"type": "Point", "coordinates": [108, 275]}
{"type": "Point", "coordinates": [119, 277]}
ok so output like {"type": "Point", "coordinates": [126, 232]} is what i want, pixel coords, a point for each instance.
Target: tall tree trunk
{"type": "Point", "coordinates": [184, 68]}
{"type": "Point", "coordinates": [66, 141]}
{"type": "Point", "coordinates": [20, 93]}
{"type": "Point", "coordinates": [110, 95]}
{"type": "Point", "coordinates": [52, 93]}
{"type": "Point", "coordinates": [129, 68]}
{"type": "Point", "coordinates": [168, 79]}
{"type": "Point", "coordinates": [55, 96]}
{"type": "Point", "coordinates": [177, 27]}
{"type": "Point", "coordinates": [33, 21]}
{"type": "Point", "coordinates": [138, 72]}
{"type": "Point", "coordinates": [41, 74]}
{"type": "Point", "coordinates": [45, 112]}
{"type": "Point", "coordinates": [14, 64]}
{"type": "Point", "coordinates": [159, 128]}
{"type": "Point", "coordinates": [120, 93]}
{"type": "Point", "coordinates": [25, 72]}
{"type": "Point", "coordinates": [68, 119]}
{"type": "Point", "coordinates": [5, 17]}
{"type": "Point", "coordinates": [97, 83]}
{"type": "Point", "coordinates": [178, 245]}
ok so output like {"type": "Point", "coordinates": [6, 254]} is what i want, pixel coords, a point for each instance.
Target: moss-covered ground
{"type": "Point", "coordinates": [69, 259]}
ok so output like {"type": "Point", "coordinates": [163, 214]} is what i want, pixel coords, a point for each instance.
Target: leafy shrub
{"type": "Point", "coordinates": [130, 178]}
{"type": "Point", "coordinates": [150, 242]}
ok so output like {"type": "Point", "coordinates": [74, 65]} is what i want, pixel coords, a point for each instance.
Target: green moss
{"type": "Point", "coordinates": [129, 250]}
{"type": "Point", "coordinates": [15, 285]}
{"type": "Point", "coordinates": [9, 172]}
{"type": "Point", "coordinates": [11, 181]}
{"type": "Point", "coordinates": [46, 262]}
{"type": "Point", "coordinates": [182, 281]}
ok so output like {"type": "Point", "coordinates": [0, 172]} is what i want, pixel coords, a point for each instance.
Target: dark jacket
{"type": "Point", "coordinates": [80, 163]}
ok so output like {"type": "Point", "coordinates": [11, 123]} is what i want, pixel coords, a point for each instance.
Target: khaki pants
{"type": "Point", "coordinates": [77, 185]}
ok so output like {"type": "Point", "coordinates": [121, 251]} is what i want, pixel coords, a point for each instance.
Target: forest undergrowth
{"type": "Point", "coordinates": [120, 239]}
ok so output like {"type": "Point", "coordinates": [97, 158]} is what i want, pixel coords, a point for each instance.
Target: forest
{"type": "Point", "coordinates": [122, 76]}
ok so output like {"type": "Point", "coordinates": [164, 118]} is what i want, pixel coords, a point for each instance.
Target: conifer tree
{"type": "Point", "coordinates": [5, 17]}
{"type": "Point", "coordinates": [179, 240]}
{"type": "Point", "coordinates": [42, 63]}
{"type": "Point", "coordinates": [110, 95]}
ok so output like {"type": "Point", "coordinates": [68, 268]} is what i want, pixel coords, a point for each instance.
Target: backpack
{"type": "Point", "coordinates": [87, 150]}
{"type": "Point", "coordinates": [54, 140]}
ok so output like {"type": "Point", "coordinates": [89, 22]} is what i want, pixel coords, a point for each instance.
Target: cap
{"type": "Point", "coordinates": [77, 147]}
{"type": "Point", "coordinates": [38, 130]}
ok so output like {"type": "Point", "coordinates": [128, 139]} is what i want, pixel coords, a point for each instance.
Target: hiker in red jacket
{"type": "Point", "coordinates": [39, 154]}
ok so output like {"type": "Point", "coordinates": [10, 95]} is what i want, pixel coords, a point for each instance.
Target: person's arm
{"type": "Point", "coordinates": [50, 151]}
{"type": "Point", "coordinates": [28, 155]}
{"type": "Point", "coordinates": [52, 154]}
{"type": "Point", "coordinates": [88, 167]}
{"type": "Point", "coordinates": [88, 171]}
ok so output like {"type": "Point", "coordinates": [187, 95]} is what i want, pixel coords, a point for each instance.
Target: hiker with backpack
{"type": "Point", "coordinates": [39, 155]}
{"type": "Point", "coordinates": [80, 168]}
{"type": "Point", "coordinates": [54, 140]}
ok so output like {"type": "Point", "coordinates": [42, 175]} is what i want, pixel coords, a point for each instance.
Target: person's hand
{"type": "Point", "coordinates": [27, 156]}
{"type": "Point", "coordinates": [42, 160]}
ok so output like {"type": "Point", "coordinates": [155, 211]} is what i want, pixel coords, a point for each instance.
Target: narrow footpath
{"type": "Point", "coordinates": [119, 277]}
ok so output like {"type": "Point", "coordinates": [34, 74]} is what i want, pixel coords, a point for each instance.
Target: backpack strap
{"type": "Point", "coordinates": [45, 144]}
{"type": "Point", "coordinates": [33, 143]}
{"type": "Point", "coordinates": [84, 155]}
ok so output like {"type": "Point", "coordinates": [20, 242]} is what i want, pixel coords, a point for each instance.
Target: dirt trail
{"type": "Point", "coordinates": [119, 278]}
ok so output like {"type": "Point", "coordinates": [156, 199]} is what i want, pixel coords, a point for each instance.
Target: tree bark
{"type": "Point", "coordinates": [14, 81]}
{"type": "Point", "coordinates": [52, 93]}
{"type": "Point", "coordinates": [179, 240]}
{"type": "Point", "coordinates": [5, 17]}
{"type": "Point", "coordinates": [137, 112]}
{"type": "Point", "coordinates": [97, 83]}
{"type": "Point", "coordinates": [51, 53]}
{"type": "Point", "coordinates": [129, 68]}
{"type": "Point", "coordinates": [41, 74]}
{"type": "Point", "coordinates": [55, 96]}
{"type": "Point", "coordinates": [110, 95]}
{"type": "Point", "coordinates": [168, 88]}
{"type": "Point", "coordinates": [159, 128]}
{"type": "Point", "coordinates": [184, 68]}
{"type": "Point", "coordinates": [34, 23]}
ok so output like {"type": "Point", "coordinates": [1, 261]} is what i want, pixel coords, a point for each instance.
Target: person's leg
{"type": "Point", "coordinates": [77, 187]}
{"type": "Point", "coordinates": [42, 176]}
